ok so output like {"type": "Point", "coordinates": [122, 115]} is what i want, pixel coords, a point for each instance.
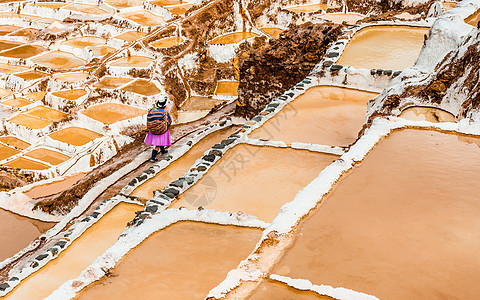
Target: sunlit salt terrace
{"type": "Point", "coordinates": [318, 150]}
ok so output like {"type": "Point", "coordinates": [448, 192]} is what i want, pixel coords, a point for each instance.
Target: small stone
{"type": "Point", "coordinates": [152, 208]}
{"type": "Point", "coordinates": [227, 141]}
{"type": "Point", "coordinates": [388, 72]}
{"type": "Point", "coordinates": [336, 67]}
{"type": "Point", "coordinates": [290, 94]}
{"type": "Point", "coordinates": [327, 63]}
{"type": "Point", "coordinates": [396, 73]}
{"type": "Point", "coordinates": [133, 182]}
{"type": "Point", "coordinates": [379, 72]}
{"type": "Point", "coordinates": [201, 168]}
{"type": "Point", "coordinates": [273, 105]}
{"type": "Point", "coordinates": [372, 72]}
{"type": "Point", "coordinates": [171, 191]}
{"type": "Point", "coordinates": [218, 146]}
{"type": "Point", "coordinates": [53, 250]}
{"type": "Point", "coordinates": [171, 195]}
{"type": "Point", "coordinates": [190, 180]}
{"type": "Point", "coordinates": [34, 264]}
{"type": "Point", "coordinates": [138, 223]}
{"type": "Point", "coordinates": [189, 143]}
{"type": "Point", "coordinates": [150, 171]}
{"type": "Point", "coordinates": [177, 183]}
{"type": "Point", "coordinates": [223, 123]}
{"type": "Point", "coordinates": [95, 214]}
{"type": "Point", "coordinates": [216, 153]}
{"type": "Point", "coordinates": [87, 219]}
{"type": "Point", "coordinates": [14, 278]}
{"type": "Point", "coordinates": [257, 119]}
{"type": "Point", "coordinates": [4, 286]}
{"type": "Point", "coordinates": [67, 234]}
{"type": "Point", "coordinates": [234, 136]}
{"type": "Point", "coordinates": [41, 257]}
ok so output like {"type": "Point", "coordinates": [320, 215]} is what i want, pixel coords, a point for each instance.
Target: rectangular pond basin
{"type": "Point", "coordinates": [272, 31]}
{"type": "Point", "coordinates": [108, 82]}
{"type": "Point", "coordinates": [17, 102]}
{"type": "Point", "coordinates": [24, 51]}
{"type": "Point", "coordinates": [227, 88]}
{"type": "Point", "coordinates": [75, 136]}
{"type": "Point", "coordinates": [14, 142]}
{"type": "Point", "coordinates": [48, 156]}
{"type": "Point", "coordinates": [36, 96]}
{"type": "Point", "coordinates": [59, 60]}
{"type": "Point", "coordinates": [142, 87]}
{"type": "Point", "coordinates": [272, 289]}
{"type": "Point", "coordinates": [183, 261]}
{"type": "Point", "coordinates": [78, 256]}
{"type": "Point", "coordinates": [6, 29]}
{"type": "Point", "coordinates": [274, 177]}
{"type": "Point", "coordinates": [5, 45]}
{"type": "Point", "coordinates": [9, 69]}
{"type": "Point", "coordinates": [31, 75]}
{"type": "Point", "coordinates": [120, 4]}
{"type": "Point", "coordinates": [70, 94]}
{"type": "Point", "coordinates": [177, 168]}
{"type": "Point", "coordinates": [473, 19]}
{"type": "Point", "coordinates": [6, 152]}
{"type": "Point", "coordinates": [25, 32]}
{"type": "Point", "coordinates": [384, 47]}
{"type": "Point", "coordinates": [88, 9]}
{"type": "Point", "coordinates": [143, 18]}
{"type": "Point", "coordinates": [18, 232]}
{"type": "Point", "coordinates": [401, 225]}
{"type": "Point", "coordinates": [308, 8]}
{"type": "Point", "coordinates": [109, 113]}
{"type": "Point", "coordinates": [46, 113]}
{"type": "Point", "coordinates": [25, 163]}
{"type": "Point", "coordinates": [232, 38]}
{"type": "Point", "coordinates": [130, 36]}
{"type": "Point", "coordinates": [179, 9]}
{"type": "Point", "coordinates": [167, 42]}
{"type": "Point", "coordinates": [54, 187]}
{"type": "Point", "coordinates": [84, 41]}
{"type": "Point", "coordinates": [29, 121]}
{"type": "Point", "coordinates": [339, 18]}
{"type": "Point", "coordinates": [322, 115]}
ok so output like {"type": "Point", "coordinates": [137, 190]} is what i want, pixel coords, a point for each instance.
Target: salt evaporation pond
{"type": "Point", "coordinates": [31, 75]}
{"type": "Point", "coordinates": [232, 38]}
{"type": "Point", "coordinates": [120, 4]}
{"type": "Point", "coordinates": [27, 164]}
{"type": "Point", "coordinates": [167, 42]}
{"type": "Point", "coordinates": [6, 152]}
{"type": "Point", "coordinates": [84, 41]}
{"type": "Point", "coordinates": [18, 232]}
{"type": "Point", "coordinates": [86, 9]}
{"type": "Point", "coordinates": [130, 36]}
{"type": "Point", "coordinates": [25, 51]}
{"type": "Point", "coordinates": [323, 115]}
{"type": "Point", "coordinates": [53, 187]}
{"type": "Point", "coordinates": [46, 113]}
{"type": "Point", "coordinates": [183, 261]}
{"type": "Point", "coordinates": [268, 170]}
{"type": "Point", "coordinates": [14, 142]}
{"type": "Point", "coordinates": [48, 156]}
{"type": "Point", "coordinates": [71, 76]}
{"type": "Point", "coordinates": [59, 60]}
{"type": "Point", "coordinates": [109, 113]}
{"type": "Point", "coordinates": [17, 102]}
{"type": "Point", "coordinates": [179, 9]}
{"type": "Point", "coordinates": [75, 136]}
{"type": "Point", "coordinates": [402, 225]}
{"type": "Point", "coordinates": [272, 31]}
{"type": "Point", "coordinates": [142, 87]}
{"type": "Point", "coordinates": [70, 94]}
{"type": "Point", "coordinates": [227, 88]}
{"type": "Point", "coordinates": [5, 45]}
{"type": "Point", "coordinates": [384, 47]}
{"type": "Point", "coordinates": [78, 256]}
{"type": "Point", "coordinates": [132, 62]}
{"type": "Point", "coordinates": [339, 18]}
{"type": "Point", "coordinates": [108, 82]}
{"type": "Point", "coordinates": [473, 19]}
{"type": "Point", "coordinates": [177, 168]}
{"type": "Point", "coordinates": [29, 121]}
{"type": "Point", "coordinates": [430, 114]}
{"type": "Point", "coordinates": [143, 18]}
{"type": "Point", "coordinates": [271, 289]}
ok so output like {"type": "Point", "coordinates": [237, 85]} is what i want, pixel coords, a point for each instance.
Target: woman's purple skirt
{"type": "Point", "coordinates": [158, 139]}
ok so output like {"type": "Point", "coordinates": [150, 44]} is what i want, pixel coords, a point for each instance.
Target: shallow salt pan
{"type": "Point", "coordinates": [54, 187]}
{"type": "Point", "coordinates": [29, 121]}
{"type": "Point", "coordinates": [49, 156]}
{"type": "Point", "coordinates": [430, 114]}
{"type": "Point", "coordinates": [27, 164]}
{"type": "Point", "coordinates": [132, 62]}
{"type": "Point", "coordinates": [308, 8]}
{"type": "Point", "coordinates": [274, 175]}
{"type": "Point", "coordinates": [14, 142]}
{"type": "Point", "coordinates": [384, 47]}
{"type": "Point", "coordinates": [112, 82]}
{"type": "Point", "coordinates": [177, 168]}
{"type": "Point", "coordinates": [232, 38]}
{"type": "Point", "coordinates": [59, 60]}
{"type": "Point", "coordinates": [401, 225]}
{"type": "Point", "coordinates": [109, 113]}
{"type": "Point", "coordinates": [323, 115]}
{"type": "Point", "coordinates": [473, 19]}
{"type": "Point", "coordinates": [227, 88]}
{"type": "Point", "coordinates": [6, 152]}
{"type": "Point", "coordinates": [75, 136]}
{"type": "Point", "coordinates": [183, 261]}
{"type": "Point", "coordinates": [143, 18]}
{"type": "Point", "coordinates": [130, 36]}
{"type": "Point", "coordinates": [271, 289]}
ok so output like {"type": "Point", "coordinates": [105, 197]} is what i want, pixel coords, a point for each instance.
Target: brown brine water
{"type": "Point", "coordinates": [402, 225]}
{"type": "Point", "coordinates": [271, 289]}
{"type": "Point", "coordinates": [183, 261]}
{"type": "Point", "coordinates": [255, 180]}
{"type": "Point", "coordinates": [323, 115]}
{"type": "Point", "coordinates": [177, 168]}
{"type": "Point", "coordinates": [384, 47]}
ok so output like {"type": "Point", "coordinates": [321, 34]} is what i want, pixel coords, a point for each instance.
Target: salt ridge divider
{"type": "Point", "coordinates": [91, 195]}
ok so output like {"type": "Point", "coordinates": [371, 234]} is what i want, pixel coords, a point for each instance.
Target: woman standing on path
{"type": "Point", "coordinates": [158, 125]}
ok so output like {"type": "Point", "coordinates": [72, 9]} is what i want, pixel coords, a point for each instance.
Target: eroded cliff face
{"type": "Point", "coordinates": [270, 70]}
{"type": "Point", "coordinates": [454, 85]}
